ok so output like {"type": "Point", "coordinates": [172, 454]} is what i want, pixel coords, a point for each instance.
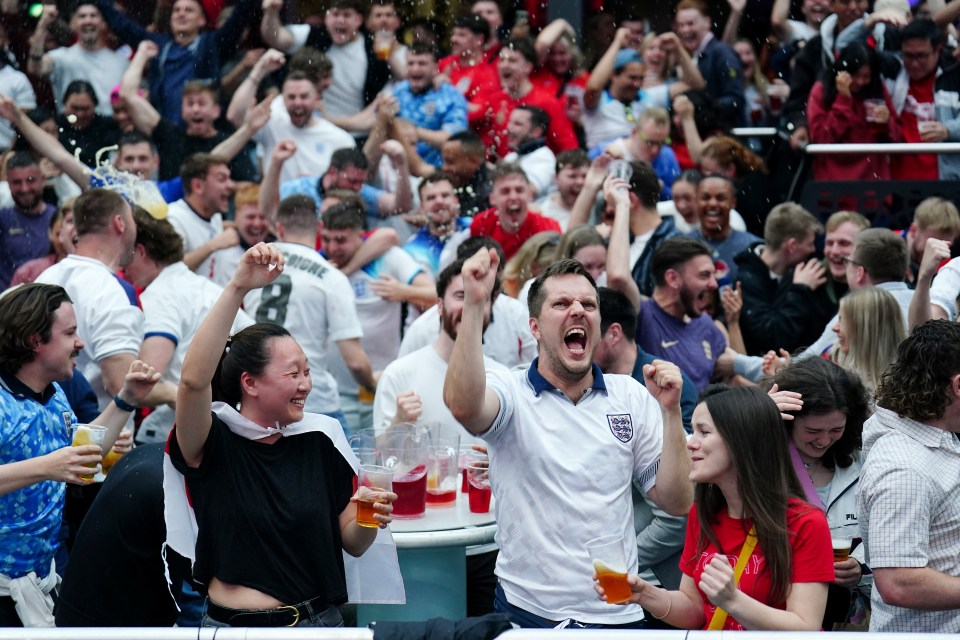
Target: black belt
{"type": "Point", "coordinates": [286, 616]}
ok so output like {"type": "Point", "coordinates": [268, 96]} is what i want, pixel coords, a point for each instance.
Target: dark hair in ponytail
{"type": "Point", "coordinates": [247, 351]}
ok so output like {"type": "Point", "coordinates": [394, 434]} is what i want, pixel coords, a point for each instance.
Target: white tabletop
{"type": "Point", "coordinates": [446, 527]}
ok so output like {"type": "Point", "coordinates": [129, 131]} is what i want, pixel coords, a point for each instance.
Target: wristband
{"type": "Point", "coordinates": [123, 406]}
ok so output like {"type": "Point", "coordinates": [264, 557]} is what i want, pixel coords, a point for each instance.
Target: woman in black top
{"type": "Point", "coordinates": [275, 510]}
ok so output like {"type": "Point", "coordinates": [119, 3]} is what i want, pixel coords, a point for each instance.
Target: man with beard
{"type": "Point", "coordinates": [108, 314]}
{"type": "Point", "coordinates": [526, 128]}
{"type": "Point", "coordinates": [316, 137]}
{"type": "Point", "coordinates": [24, 226]}
{"type": "Point", "coordinates": [716, 196]}
{"type": "Point", "coordinates": [315, 302]}
{"type": "Point", "coordinates": [566, 444]}
{"type": "Point", "coordinates": [193, 133]}
{"type": "Point", "coordinates": [439, 204]}
{"type": "Point", "coordinates": [672, 323]}
{"type": "Point", "coordinates": [197, 217]}
{"type": "Point", "coordinates": [90, 58]}
{"type": "Point", "coordinates": [436, 112]}
{"type": "Point", "coordinates": [509, 221]}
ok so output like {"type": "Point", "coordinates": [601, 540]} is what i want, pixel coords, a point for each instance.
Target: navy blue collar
{"type": "Point", "coordinates": [540, 384]}
{"type": "Point", "coordinates": [20, 390]}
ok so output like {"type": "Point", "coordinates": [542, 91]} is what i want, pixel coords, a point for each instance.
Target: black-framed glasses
{"type": "Point", "coordinates": [848, 260]}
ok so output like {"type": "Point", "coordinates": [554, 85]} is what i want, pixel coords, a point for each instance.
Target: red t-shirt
{"type": "Point", "coordinates": [473, 82]}
{"type": "Point", "coordinates": [810, 545]}
{"type": "Point", "coordinates": [490, 121]}
{"type": "Point", "coordinates": [920, 102]}
{"type": "Point", "coordinates": [487, 223]}
{"type": "Point", "coordinates": [552, 83]}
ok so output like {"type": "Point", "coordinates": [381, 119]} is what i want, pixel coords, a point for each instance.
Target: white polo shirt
{"type": "Point", "coordinates": [109, 319]}
{"type": "Point", "coordinates": [195, 230]}
{"type": "Point", "coordinates": [562, 475]}
{"type": "Point", "coordinates": [315, 143]}
{"type": "Point", "coordinates": [314, 301]}
{"type": "Point", "coordinates": [174, 305]}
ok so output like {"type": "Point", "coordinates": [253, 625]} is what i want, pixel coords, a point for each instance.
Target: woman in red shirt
{"type": "Point", "coordinates": [745, 482]}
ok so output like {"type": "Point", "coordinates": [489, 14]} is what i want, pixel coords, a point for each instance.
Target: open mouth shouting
{"type": "Point", "coordinates": [576, 341]}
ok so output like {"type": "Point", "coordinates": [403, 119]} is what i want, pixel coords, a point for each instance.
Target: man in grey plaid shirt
{"type": "Point", "coordinates": [910, 486]}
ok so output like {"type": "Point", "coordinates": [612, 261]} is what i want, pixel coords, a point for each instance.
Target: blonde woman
{"type": "Point", "coordinates": [869, 329]}
{"type": "Point", "coordinates": [533, 257]}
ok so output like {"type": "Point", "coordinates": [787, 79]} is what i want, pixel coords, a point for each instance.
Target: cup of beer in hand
{"type": "Point", "coordinates": [375, 478]}
{"type": "Point", "coordinates": [610, 563]}
{"type": "Point", "coordinates": [88, 434]}
{"type": "Point", "coordinates": [841, 548]}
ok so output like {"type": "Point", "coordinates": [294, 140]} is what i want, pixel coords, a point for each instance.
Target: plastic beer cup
{"type": "Point", "coordinates": [88, 434]}
{"type": "Point", "coordinates": [609, 561]}
{"type": "Point", "coordinates": [379, 479]}
{"type": "Point", "coordinates": [841, 548]}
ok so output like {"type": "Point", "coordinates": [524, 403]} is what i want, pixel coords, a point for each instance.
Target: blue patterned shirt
{"type": "Point", "coordinates": [31, 425]}
{"type": "Point", "coordinates": [443, 109]}
{"type": "Point", "coordinates": [426, 247]}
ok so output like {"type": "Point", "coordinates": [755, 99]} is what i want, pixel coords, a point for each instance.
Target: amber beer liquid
{"type": "Point", "coordinates": [841, 549]}
{"type": "Point", "coordinates": [614, 584]}
{"type": "Point", "coordinates": [365, 512]}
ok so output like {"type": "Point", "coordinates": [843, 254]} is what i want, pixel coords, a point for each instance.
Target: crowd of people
{"type": "Point", "coordinates": [220, 229]}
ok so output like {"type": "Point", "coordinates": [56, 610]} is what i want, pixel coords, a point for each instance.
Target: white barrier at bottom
{"type": "Point", "coordinates": [188, 633]}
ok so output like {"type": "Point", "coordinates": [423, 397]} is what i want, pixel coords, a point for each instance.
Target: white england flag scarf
{"type": "Point", "coordinates": [372, 578]}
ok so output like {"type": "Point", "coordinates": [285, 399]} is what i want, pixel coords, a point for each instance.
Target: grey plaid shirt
{"type": "Point", "coordinates": [910, 511]}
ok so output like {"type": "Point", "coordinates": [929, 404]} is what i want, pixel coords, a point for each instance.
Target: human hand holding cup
{"type": "Point", "coordinates": [610, 567]}
{"type": "Point", "coordinates": [375, 487]}
{"type": "Point", "coordinates": [88, 434]}
{"type": "Point", "coordinates": [877, 111]}
{"type": "Point", "coordinates": [621, 170]}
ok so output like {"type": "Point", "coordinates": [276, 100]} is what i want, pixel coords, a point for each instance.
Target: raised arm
{"type": "Point", "coordinates": [683, 107]}
{"type": "Point", "coordinates": [138, 384]}
{"type": "Point", "coordinates": [601, 73]}
{"type": "Point", "coordinates": [40, 63]}
{"type": "Point", "coordinates": [44, 143]}
{"type": "Point", "coordinates": [125, 28]}
{"type": "Point", "coordinates": [375, 245]}
{"type": "Point", "coordinates": [689, 71]}
{"type": "Point", "coordinates": [259, 266]}
{"type": "Point", "coordinates": [617, 195]}
{"type": "Point", "coordinates": [253, 121]}
{"type": "Point", "coordinates": [673, 491]}
{"type": "Point", "coordinates": [780, 19]}
{"type": "Point", "coordinates": [270, 186]}
{"type": "Point", "coordinates": [465, 389]}
{"type": "Point", "coordinates": [272, 31]}
{"type": "Point", "coordinates": [400, 201]}
{"type": "Point", "coordinates": [583, 205]}
{"type": "Point", "coordinates": [246, 94]}
{"type": "Point", "coordinates": [549, 35]}
{"type": "Point", "coordinates": [144, 116]}
{"type": "Point", "coordinates": [935, 252]}
{"type": "Point", "coordinates": [732, 28]}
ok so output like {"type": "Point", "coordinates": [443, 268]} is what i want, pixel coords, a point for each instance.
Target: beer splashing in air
{"type": "Point", "coordinates": [143, 193]}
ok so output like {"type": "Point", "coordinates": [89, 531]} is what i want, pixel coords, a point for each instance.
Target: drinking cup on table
{"type": "Point", "coordinates": [443, 467]}
{"type": "Point", "coordinates": [376, 478]}
{"type": "Point", "coordinates": [88, 434]}
{"type": "Point", "coordinates": [610, 563]}
{"type": "Point", "coordinates": [841, 548]}
{"type": "Point", "coordinates": [479, 491]}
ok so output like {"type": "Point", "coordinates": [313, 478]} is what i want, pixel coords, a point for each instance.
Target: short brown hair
{"type": "Point", "coordinates": [937, 214]}
{"type": "Point", "coordinates": [94, 208]}
{"type": "Point", "coordinates": [698, 5]}
{"type": "Point", "coordinates": [298, 213]}
{"type": "Point", "coordinates": [200, 86]}
{"type": "Point", "coordinates": [25, 312]}
{"type": "Point", "coordinates": [160, 240]}
{"type": "Point", "coordinates": [842, 217]}
{"type": "Point", "coordinates": [788, 220]}
{"type": "Point", "coordinates": [505, 169]}
{"type": "Point", "coordinates": [196, 167]}
{"type": "Point", "coordinates": [537, 294]}
{"type": "Point", "coordinates": [883, 254]}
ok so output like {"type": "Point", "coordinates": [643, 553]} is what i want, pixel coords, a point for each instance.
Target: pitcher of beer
{"type": "Point", "coordinates": [405, 448]}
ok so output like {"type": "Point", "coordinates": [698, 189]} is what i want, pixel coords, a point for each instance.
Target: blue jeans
{"type": "Point", "coordinates": [527, 620]}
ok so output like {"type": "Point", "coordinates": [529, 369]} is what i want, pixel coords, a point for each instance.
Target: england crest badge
{"type": "Point", "coordinates": [621, 425]}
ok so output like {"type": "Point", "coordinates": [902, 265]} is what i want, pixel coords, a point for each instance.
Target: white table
{"type": "Point", "coordinates": [431, 551]}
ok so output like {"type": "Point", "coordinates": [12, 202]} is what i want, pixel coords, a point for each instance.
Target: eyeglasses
{"type": "Point", "coordinates": [656, 144]}
{"type": "Point", "coordinates": [848, 260]}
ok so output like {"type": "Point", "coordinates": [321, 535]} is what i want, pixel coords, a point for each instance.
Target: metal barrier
{"type": "Point", "coordinates": [897, 148]}
{"type": "Point", "coordinates": [187, 633]}
{"type": "Point", "coordinates": [754, 132]}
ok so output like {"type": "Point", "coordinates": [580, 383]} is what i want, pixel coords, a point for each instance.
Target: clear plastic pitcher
{"type": "Point", "coordinates": [405, 448]}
